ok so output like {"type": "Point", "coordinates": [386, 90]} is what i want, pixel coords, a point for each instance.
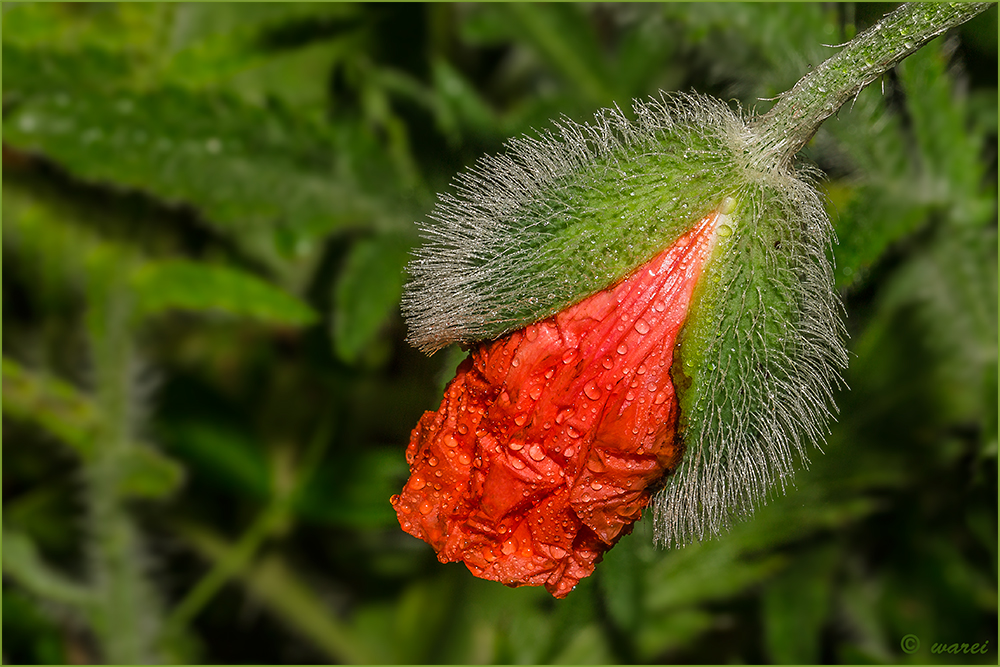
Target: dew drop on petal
{"type": "Point", "coordinates": [642, 326]}
{"type": "Point", "coordinates": [536, 452]}
{"type": "Point", "coordinates": [661, 398]}
{"type": "Point", "coordinates": [535, 393]}
{"type": "Point", "coordinates": [623, 348]}
{"type": "Point", "coordinates": [592, 391]}
{"type": "Point", "coordinates": [517, 464]}
{"type": "Point", "coordinates": [417, 483]}
{"type": "Point", "coordinates": [515, 445]}
{"type": "Point", "coordinates": [520, 419]}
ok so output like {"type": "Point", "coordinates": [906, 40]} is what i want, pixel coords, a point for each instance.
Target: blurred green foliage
{"type": "Point", "coordinates": [207, 209]}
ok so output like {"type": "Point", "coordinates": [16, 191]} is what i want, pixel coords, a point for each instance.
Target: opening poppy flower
{"type": "Point", "coordinates": [550, 439]}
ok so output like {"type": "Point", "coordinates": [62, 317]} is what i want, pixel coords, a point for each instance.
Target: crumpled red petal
{"type": "Point", "coordinates": [547, 442]}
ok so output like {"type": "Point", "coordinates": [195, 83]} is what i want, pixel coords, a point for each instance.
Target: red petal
{"type": "Point", "coordinates": [545, 446]}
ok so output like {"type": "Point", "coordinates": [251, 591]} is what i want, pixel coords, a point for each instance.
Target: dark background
{"type": "Point", "coordinates": [207, 210]}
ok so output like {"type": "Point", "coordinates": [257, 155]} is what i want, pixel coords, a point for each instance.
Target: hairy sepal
{"type": "Point", "coordinates": [559, 217]}
{"type": "Point", "coordinates": [760, 354]}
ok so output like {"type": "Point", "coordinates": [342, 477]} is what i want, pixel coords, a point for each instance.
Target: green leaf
{"type": "Point", "coordinates": [22, 562]}
{"type": "Point", "coordinates": [796, 605]}
{"type": "Point", "coordinates": [147, 473]}
{"type": "Point", "coordinates": [52, 404]}
{"type": "Point", "coordinates": [188, 285]}
{"type": "Point", "coordinates": [620, 579]}
{"type": "Point", "coordinates": [588, 646]}
{"type": "Point", "coordinates": [367, 293]}
{"type": "Point", "coordinates": [665, 632]}
{"type": "Point", "coordinates": [262, 177]}
{"type": "Point", "coordinates": [31, 635]}
{"type": "Point", "coordinates": [953, 171]}
{"type": "Point", "coordinates": [355, 492]}
{"type": "Point", "coordinates": [222, 453]}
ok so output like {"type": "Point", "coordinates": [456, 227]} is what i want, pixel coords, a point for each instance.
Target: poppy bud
{"type": "Point", "coordinates": [651, 306]}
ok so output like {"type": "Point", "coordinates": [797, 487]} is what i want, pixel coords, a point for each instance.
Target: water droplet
{"type": "Point", "coordinates": [417, 483]}
{"type": "Point", "coordinates": [659, 306]}
{"type": "Point", "coordinates": [564, 414]}
{"type": "Point", "coordinates": [557, 552]}
{"type": "Point", "coordinates": [509, 547]}
{"type": "Point", "coordinates": [623, 348]}
{"type": "Point", "coordinates": [725, 231]}
{"type": "Point", "coordinates": [641, 370]}
{"type": "Point", "coordinates": [450, 440]}
{"type": "Point", "coordinates": [607, 363]}
{"type": "Point", "coordinates": [464, 458]}
{"type": "Point", "coordinates": [520, 419]}
{"type": "Point", "coordinates": [432, 461]}
{"type": "Point", "coordinates": [661, 398]}
{"type": "Point", "coordinates": [515, 362]}
{"type": "Point", "coordinates": [535, 393]}
{"type": "Point", "coordinates": [426, 507]}
{"type": "Point", "coordinates": [463, 429]}
{"type": "Point", "coordinates": [517, 464]}
{"type": "Point", "coordinates": [642, 326]}
{"type": "Point", "coordinates": [536, 452]}
{"type": "Point", "coordinates": [568, 356]}
{"type": "Point", "coordinates": [515, 445]}
{"type": "Point", "coordinates": [592, 391]}
{"type": "Point", "coordinates": [596, 486]}
{"type": "Point", "coordinates": [630, 396]}
{"type": "Point", "coordinates": [572, 432]}
{"type": "Point", "coordinates": [569, 452]}
{"type": "Point", "coordinates": [549, 373]}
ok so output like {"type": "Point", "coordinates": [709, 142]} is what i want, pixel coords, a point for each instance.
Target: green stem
{"type": "Point", "coordinates": [239, 557]}
{"type": "Point", "coordinates": [235, 561]}
{"type": "Point", "coordinates": [792, 122]}
{"type": "Point", "coordinates": [125, 607]}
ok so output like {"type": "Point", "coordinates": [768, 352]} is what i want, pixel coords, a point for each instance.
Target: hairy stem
{"type": "Point", "coordinates": [125, 609]}
{"type": "Point", "coordinates": [789, 125]}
